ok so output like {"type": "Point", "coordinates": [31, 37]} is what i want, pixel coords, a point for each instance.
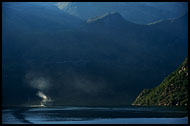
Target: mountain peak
{"type": "Point", "coordinates": [112, 16]}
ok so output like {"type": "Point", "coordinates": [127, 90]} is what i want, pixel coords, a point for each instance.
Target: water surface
{"type": "Point", "coordinates": [94, 115]}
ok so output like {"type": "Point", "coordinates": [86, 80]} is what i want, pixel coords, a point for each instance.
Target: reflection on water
{"type": "Point", "coordinates": [86, 115]}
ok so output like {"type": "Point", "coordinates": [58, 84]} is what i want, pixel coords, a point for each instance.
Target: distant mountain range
{"type": "Point", "coordinates": [100, 61]}
{"type": "Point", "coordinates": [173, 91]}
{"type": "Point", "coordinates": [137, 12]}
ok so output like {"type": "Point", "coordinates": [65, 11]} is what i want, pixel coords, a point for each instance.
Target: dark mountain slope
{"type": "Point", "coordinates": [36, 17]}
{"type": "Point", "coordinates": [95, 63]}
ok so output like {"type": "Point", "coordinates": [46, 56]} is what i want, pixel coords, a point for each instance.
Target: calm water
{"type": "Point", "coordinates": [94, 115]}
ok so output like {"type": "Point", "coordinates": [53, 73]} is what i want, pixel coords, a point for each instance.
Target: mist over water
{"type": "Point", "coordinates": [42, 84]}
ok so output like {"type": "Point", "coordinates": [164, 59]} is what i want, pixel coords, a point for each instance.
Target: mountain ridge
{"type": "Point", "coordinates": [104, 16]}
{"type": "Point", "coordinates": [137, 12]}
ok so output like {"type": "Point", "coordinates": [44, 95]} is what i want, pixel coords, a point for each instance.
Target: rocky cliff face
{"type": "Point", "coordinates": [173, 91]}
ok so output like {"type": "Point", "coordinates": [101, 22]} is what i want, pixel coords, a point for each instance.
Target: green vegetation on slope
{"type": "Point", "coordinates": [173, 91]}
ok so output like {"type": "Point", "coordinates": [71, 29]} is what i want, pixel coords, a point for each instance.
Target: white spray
{"type": "Point", "coordinates": [42, 84]}
{"type": "Point", "coordinates": [45, 100]}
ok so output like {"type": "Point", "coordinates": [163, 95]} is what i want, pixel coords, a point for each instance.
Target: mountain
{"type": "Point", "coordinates": [36, 16]}
{"type": "Point", "coordinates": [137, 12]}
{"type": "Point", "coordinates": [109, 24]}
{"type": "Point", "coordinates": [27, 29]}
{"type": "Point", "coordinates": [92, 62]}
{"type": "Point", "coordinates": [168, 25]}
{"type": "Point", "coordinates": [173, 91]}
{"type": "Point", "coordinates": [107, 18]}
